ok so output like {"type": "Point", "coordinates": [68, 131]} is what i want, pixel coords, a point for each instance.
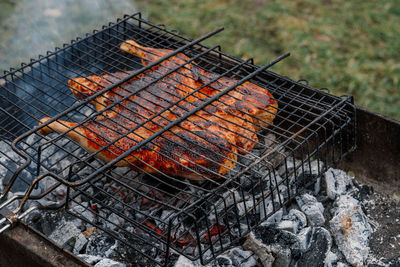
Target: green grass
{"type": "Point", "coordinates": [350, 47]}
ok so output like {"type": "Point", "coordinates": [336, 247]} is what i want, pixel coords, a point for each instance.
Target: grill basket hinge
{"type": "Point", "coordinates": [8, 219]}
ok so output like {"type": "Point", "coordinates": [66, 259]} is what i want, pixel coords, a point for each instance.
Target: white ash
{"type": "Point", "coordinates": [313, 209]}
{"type": "Point", "coordinates": [260, 250]}
{"type": "Point", "coordinates": [99, 244]}
{"type": "Point", "coordinates": [331, 259]}
{"type": "Point", "coordinates": [294, 221]}
{"type": "Point", "coordinates": [244, 207]}
{"type": "Point", "coordinates": [241, 257]}
{"type": "Point", "coordinates": [316, 243]}
{"type": "Point", "coordinates": [185, 262]}
{"type": "Point", "coordinates": [287, 225]}
{"type": "Point", "coordinates": [68, 236]}
{"type": "Point", "coordinates": [296, 166]}
{"type": "Point", "coordinates": [109, 263]}
{"type": "Point", "coordinates": [226, 200]}
{"type": "Point", "coordinates": [268, 206]}
{"type": "Point", "coordinates": [276, 157]}
{"type": "Point", "coordinates": [9, 162]}
{"type": "Point", "coordinates": [351, 229]}
{"type": "Point", "coordinates": [91, 259]}
{"type": "Point", "coordinates": [165, 215]}
{"type": "Point", "coordinates": [274, 218]}
{"type": "Point", "coordinates": [83, 210]}
{"type": "Point", "coordinates": [337, 183]}
{"type": "Point", "coordinates": [114, 221]}
{"type": "Point", "coordinates": [273, 245]}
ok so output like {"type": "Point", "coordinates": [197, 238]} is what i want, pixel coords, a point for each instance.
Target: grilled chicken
{"type": "Point", "coordinates": [206, 144]}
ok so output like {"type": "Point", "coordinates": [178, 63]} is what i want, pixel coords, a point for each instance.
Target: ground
{"type": "Point", "coordinates": [384, 213]}
{"type": "Point", "coordinates": [350, 47]}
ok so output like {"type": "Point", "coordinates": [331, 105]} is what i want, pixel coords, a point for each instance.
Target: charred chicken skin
{"type": "Point", "coordinates": [206, 144]}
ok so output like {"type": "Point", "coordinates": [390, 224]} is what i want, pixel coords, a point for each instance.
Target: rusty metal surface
{"type": "Point", "coordinates": [9, 215]}
{"type": "Point", "coordinates": [23, 246]}
{"type": "Point", "coordinates": [376, 160]}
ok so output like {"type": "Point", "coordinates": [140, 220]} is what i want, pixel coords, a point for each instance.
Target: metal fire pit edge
{"type": "Point", "coordinates": [23, 246]}
{"type": "Point", "coordinates": [376, 159]}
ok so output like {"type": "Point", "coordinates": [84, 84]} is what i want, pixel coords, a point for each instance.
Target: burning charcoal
{"type": "Point", "coordinates": [363, 191]}
{"type": "Point", "coordinates": [254, 185]}
{"type": "Point", "coordinates": [185, 262]}
{"type": "Point", "coordinates": [83, 112]}
{"type": "Point", "coordinates": [46, 183]}
{"type": "Point", "coordinates": [109, 263]}
{"type": "Point", "coordinates": [303, 181]}
{"type": "Point", "coordinates": [311, 168]}
{"type": "Point", "coordinates": [248, 158]}
{"type": "Point", "coordinates": [260, 250]}
{"type": "Point", "coordinates": [277, 157]}
{"type": "Point", "coordinates": [131, 253]}
{"type": "Point", "coordinates": [274, 218]}
{"type": "Point", "coordinates": [9, 162]}
{"type": "Point", "coordinates": [241, 258]}
{"type": "Point", "coordinates": [394, 262]}
{"type": "Point", "coordinates": [331, 259]}
{"type": "Point", "coordinates": [52, 153]}
{"type": "Point", "coordinates": [68, 236]}
{"type": "Point", "coordinates": [311, 208]}
{"type": "Point", "coordinates": [6, 149]}
{"type": "Point", "coordinates": [275, 180]}
{"type": "Point", "coordinates": [57, 157]}
{"type": "Point", "coordinates": [91, 259]}
{"type": "Point", "coordinates": [82, 210]}
{"type": "Point", "coordinates": [271, 245]}
{"type": "Point", "coordinates": [351, 229]}
{"type": "Point", "coordinates": [27, 143]}
{"type": "Point", "coordinates": [269, 140]}
{"type": "Point", "coordinates": [235, 228]}
{"type": "Point", "coordinates": [316, 244]}
{"type": "Point", "coordinates": [126, 173]}
{"type": "Point", "coordinates": [317, 186]}
{"type": "Point", "coordinates": [243, 206]}
{"type": "Point", "coordinates": [246, 182]}
{"type": "Point", "coordinates": [222, 261]}
{"type": "Point", "coordinates": [166, 215]}
{"type": "Point", "coordinates": [13, 205]}
{"type": "Point", "coordinates": [286, 225]}
{"type": "Point", "coordinates": [301, 176]}
{"type": "Point", "coordinates": [64, 165]}
{"type": "Point", "coordinates": [114, 221]}
{"type": "Point", "coordinates": [226, 201]}
{"type": "Point", "coordinates": [267, 206]}
{"type": "Point", "coordinates": [298, 219]}
{"type": "Point", "coordinates": [337, 183]}
{"type": "Point", "coordinates": [101, 245]}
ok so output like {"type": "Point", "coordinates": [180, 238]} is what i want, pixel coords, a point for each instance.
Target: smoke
{"type": "Point", "coordinates": [32, 27]}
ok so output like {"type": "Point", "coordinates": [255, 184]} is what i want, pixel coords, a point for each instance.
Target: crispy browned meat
{"type": "Point", "coordinates": [204, 145]}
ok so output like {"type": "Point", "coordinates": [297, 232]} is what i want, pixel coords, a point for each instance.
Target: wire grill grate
{"type": "Point", "coordinates": [165, 213]}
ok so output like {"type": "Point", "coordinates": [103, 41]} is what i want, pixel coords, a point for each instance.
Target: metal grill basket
{"type": "Point", "coordinates": [155, 212]}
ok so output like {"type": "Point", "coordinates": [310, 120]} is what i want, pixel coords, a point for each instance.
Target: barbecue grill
{"type": "Point", "coordinates": [165, 214]}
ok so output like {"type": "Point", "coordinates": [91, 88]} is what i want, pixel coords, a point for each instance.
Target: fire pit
{"type": "Point", "coordinates": [157, 215]}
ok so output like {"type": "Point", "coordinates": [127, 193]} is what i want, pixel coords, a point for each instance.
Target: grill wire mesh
{"type": "Point", "coordinates": [164, 213]}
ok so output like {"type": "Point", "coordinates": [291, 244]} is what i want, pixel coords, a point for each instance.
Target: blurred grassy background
{"type": "Point", "coordinates": [350, 47]}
